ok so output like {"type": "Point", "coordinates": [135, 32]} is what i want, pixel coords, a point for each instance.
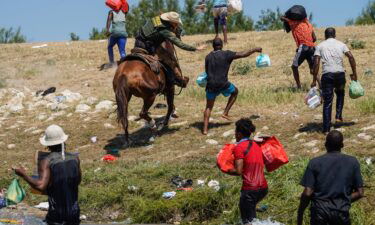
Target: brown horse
{"type": "Point", "coordinates": [134, 77]}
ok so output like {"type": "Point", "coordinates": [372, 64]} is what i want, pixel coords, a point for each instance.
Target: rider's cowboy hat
{"type": "Point", "coordinates": [54, 135]}
{"type": "Point", "coordinates": [171, 17]}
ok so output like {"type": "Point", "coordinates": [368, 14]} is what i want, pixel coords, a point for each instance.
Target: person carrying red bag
{"type": "Point", "coordinates": [250, 165]}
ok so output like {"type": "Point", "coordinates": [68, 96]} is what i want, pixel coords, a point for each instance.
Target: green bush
{"type": "Point", "coordinates": [357, 44]}
{"type": "Point", "coordinates": [242, 68]}
{"type": "Point", "coordinates": [367, 105]}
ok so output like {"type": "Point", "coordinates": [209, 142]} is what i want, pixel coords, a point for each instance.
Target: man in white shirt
{"type": "Point", "coordinates": [331, 52]}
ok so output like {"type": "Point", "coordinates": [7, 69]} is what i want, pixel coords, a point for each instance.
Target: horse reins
{"type": "Point", "coordinates": [178, 63]}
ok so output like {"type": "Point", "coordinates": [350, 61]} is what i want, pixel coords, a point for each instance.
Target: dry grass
{"type": "Point", "coordinates": [265, 92]}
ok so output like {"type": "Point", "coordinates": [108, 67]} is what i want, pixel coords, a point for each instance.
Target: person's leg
{"type": "Point", "coordinates": [327, 92]}
{"type": "Point", "coordinates": [296, 76]}
{"type": "Point", "coordinates": [318, 217]}
{"type": "Point", "coordinates": [232, 99]}
{"type": "Point", "coordinates": [207, 112]}
{"type": "Point", "coordinates": [297, 61]}
{"type": "Point", "coordinates": [223, 22]}
{"type": "Point", "coordinates": [216, 25]}
{"type": "Point", "coordinates": [340, 93]}
{"type": "Point", "coordinates": [215, 13]}
{"type": "Point", "coordinates": [121, 43]}
{"type": "Point", "coordinates": [111, 43]}
{"type": "Point", "coordinates": [248, 206]}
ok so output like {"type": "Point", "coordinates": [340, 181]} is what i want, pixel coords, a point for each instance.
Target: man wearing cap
{"type": "Point", "coordinates": [59, 178]}
{"type": "Point", "coordinates": [159, 29]}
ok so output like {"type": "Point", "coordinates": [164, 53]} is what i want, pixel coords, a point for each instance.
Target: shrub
{"type": "Point", "coordinates": [242, 68]}
{"type": "Point", "coordinates": [9, 36]}
{"type": "Point", "coordinates": [356, 44]}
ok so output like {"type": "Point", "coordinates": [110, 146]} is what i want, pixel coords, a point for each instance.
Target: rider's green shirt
{"type": "Point", "coordinates": [157, 31]}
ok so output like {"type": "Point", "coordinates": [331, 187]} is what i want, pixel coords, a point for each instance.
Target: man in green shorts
{"type": "Point", "coordinates": [217, 67]}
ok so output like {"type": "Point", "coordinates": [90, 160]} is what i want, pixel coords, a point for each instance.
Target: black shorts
{"type": "Point", "coordinates": [248, 203]}
{"type": "Point", "coordinates": [304, 53]}
{"type": "Point", "coordinates": [329, 217]}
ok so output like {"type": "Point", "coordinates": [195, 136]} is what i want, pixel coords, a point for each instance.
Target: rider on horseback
{"type": "Point", "coordinates": [165, 27]}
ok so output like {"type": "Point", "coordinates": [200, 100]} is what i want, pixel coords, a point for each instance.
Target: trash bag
{"type": "Point", "coordinates": [118, 4]}
{"type": "Point", "coordinates": [15, 193]}
{"type": "Point", "coordinates": [274, 154]}
{"type": "Point", "coordinates": [225, 158]}
{"type": "Point", "coordinates": [296, 12]}
{"type": "Point", "coordinates": [263, 60]}
{"type": "Point", "coordinates": [114, 4]}
{"type": "Point", "coordinates": [235, 6]}
{"type": "Point", "coordinates": [202, 79]}
{"type": "Point", "coordinates": [356, 90]}
{"type": "Point", "coordinates": [125, 6]}
{"type": "Point", "coordinates": [313, 98]}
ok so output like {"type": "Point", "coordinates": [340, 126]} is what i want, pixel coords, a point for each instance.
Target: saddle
{"type": "Point", "coordinates": [142, 55]}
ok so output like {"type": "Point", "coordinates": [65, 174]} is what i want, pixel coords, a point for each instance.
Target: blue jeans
{"type": "Point", "coordinates": [121, 43]}
{"type": "Point", "coordinates": [332, 82]}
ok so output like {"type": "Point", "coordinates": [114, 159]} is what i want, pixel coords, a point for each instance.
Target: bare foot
{"type": "Point", "coordinates": [226, 117]}
{"type": "Point", "coordinates": [174, 115]}
{"type": "Point", "coordinates": [205, 132]}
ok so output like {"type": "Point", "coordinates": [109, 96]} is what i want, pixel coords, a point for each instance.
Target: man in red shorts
{"type": "Point", "coordinates": [249, 164]}
{"type": "Point", "coordinates": [303, 34]}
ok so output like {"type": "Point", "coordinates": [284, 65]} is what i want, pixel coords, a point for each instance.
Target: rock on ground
{"type": "Point", "coordinates": [82, 108]}
{"type": "Point", "coordinates": [368, 128]}
{"type": "Point", "coordinates": [228, 133]}
{"type": "Point", "coordinates": [104, 105]}
{"type": "Point", "coordinates": [212, 142]}
{"type": "Point", "coordinates": [365, 136]}
{"type": "Point", "coordinates": [108, 126]}
{"type": "Point", "coordinates": [71, 96]}
{"type": "Point", "coordinates": [311, 144]}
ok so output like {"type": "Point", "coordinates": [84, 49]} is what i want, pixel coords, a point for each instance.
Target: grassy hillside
{"type": "Point", "coordinates": [267, 95]}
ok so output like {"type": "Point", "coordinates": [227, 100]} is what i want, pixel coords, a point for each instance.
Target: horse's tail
{"type": "Point", "coordinates": [121, 92]}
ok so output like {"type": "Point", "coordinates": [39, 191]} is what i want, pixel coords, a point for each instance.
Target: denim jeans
{"type": "Point", "coordinates": [332, 82]}
{"type": "Point", "coordinates": [121, 43]}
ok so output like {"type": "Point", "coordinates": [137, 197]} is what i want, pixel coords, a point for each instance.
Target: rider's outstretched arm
{"type": "Point", "coordinates": [176, 41]}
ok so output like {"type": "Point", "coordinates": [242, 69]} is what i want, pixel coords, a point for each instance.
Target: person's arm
{"type": "Point", "coordinates": [80, 171]}
{"type": "Point", "coordinates": [316, 71]}
{"type": "Point", "coordinates": [40, 184]}
{"type": "Point", "coordinates": [109, 20]}
{"type": "Point", "coordinates": [247, 53]}
{"type": "Point", "coordinates": [172, 38]}
{"type": "Point", "coordinates": [304, 203]}
{"type": "Point", "coordinates": [357, 184]}
{"type": "Point", "coordinates": [238, 168]}
{"type": "Point", "coordinates": [358, 194]}
{"type": "Point", "coordinates": [314, 37]}
{"type": "Point", "coordinates": [353, 65]}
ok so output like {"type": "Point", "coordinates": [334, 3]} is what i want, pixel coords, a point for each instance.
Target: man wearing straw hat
{"type": "Point", "coordinates": [59, 178]}
{"type": "Point", "coordinates": [164, 28]}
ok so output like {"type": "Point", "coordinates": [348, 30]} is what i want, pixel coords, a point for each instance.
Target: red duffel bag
{"type": "Point", "coordinates": [114, 4]}
{"type": "Point", "coordinates": [225, 158]}
{"type": "Point", "coordinates": [125, 6]}
{"type": "Point", "coordinates": [274, 154]}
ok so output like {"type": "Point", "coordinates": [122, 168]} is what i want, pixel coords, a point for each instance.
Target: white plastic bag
{"type": "Point", "coordinates": [202, 79]}
{"type": "Point", "coordinates": [263, 60]}
{"type": "Point", "coordinates": [313, 98]}
{"type": "Point", "coordinates": [235, 6]}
